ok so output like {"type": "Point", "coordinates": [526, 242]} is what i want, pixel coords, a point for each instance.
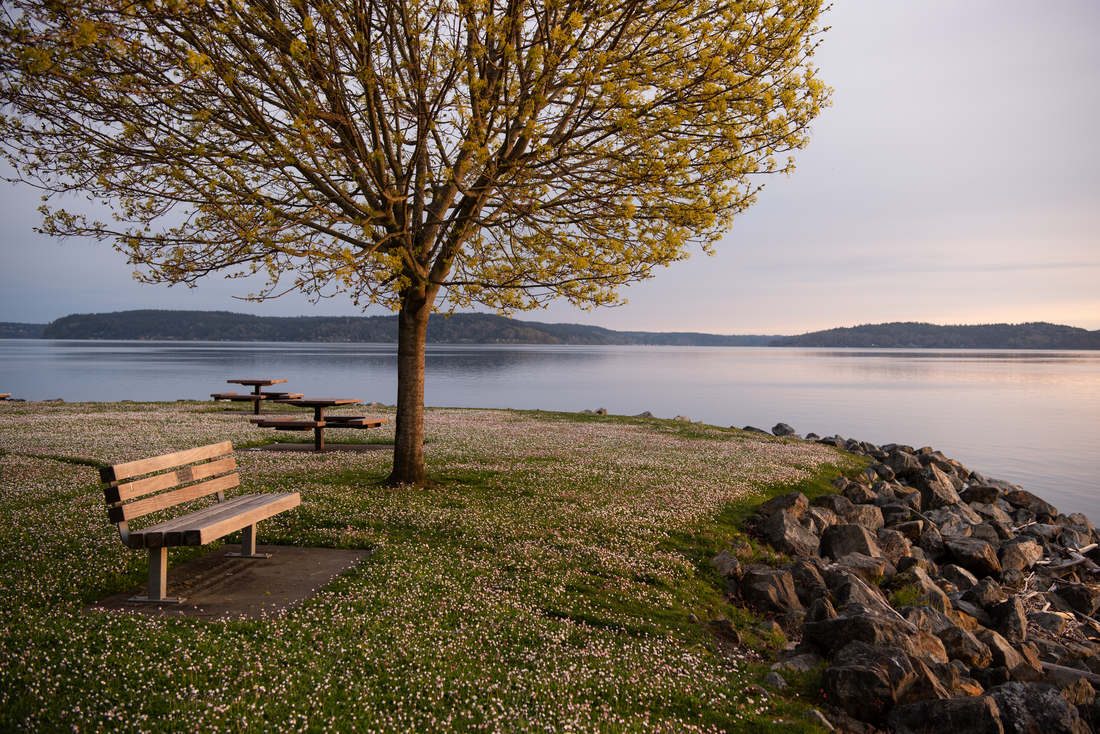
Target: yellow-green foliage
{"type": "Point", "coordinates": [506, 151]}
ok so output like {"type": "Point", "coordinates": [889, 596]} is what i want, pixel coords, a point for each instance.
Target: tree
{"type": "Point", "coordinates": [420, 154]}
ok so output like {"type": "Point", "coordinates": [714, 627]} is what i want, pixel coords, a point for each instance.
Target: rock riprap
{"type": "Point", "coordinates": [944, 600]}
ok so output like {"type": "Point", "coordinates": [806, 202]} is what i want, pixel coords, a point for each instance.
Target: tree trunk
{"type": "Point", "coordinates": [412, 335]}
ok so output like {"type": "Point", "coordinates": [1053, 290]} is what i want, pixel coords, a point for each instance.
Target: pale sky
{"type": "Point", "coordinates": [955, 180]}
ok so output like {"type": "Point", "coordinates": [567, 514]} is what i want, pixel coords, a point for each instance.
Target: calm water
{"type": "Point", "coordinates": [1030, 417]}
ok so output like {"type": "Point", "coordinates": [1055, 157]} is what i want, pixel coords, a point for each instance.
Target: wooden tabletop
{"type": "Point", "coordinates": [254, 382]}
{"type": "Point", "coordinates": [318, 402]}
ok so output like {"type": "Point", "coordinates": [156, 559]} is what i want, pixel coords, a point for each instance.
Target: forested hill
{"type": "Point", "coordinates": [461, 328]}
{"type": "Point", "coordinates": [1037, 335]}
{"type": "Point", "coordinates": [9, 330]}
{"type": "Point", "coordinates": [474, 328]}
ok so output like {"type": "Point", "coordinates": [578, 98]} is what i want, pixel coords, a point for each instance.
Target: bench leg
{"type": "Point", "coordinates": [248, 545]}
{"type": "Point", "coordinates": [158, 579]}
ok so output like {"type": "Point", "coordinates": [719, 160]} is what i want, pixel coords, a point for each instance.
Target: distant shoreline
{"type": "Point", "coordinates": [471, 329]}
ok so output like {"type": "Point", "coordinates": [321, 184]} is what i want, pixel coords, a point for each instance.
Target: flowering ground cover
{"type": "Point", "coordinates": [545, 581]}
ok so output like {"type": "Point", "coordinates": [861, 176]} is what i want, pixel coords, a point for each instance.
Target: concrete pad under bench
{"type": "Point", "coordinates": [309, 448]}
{"type": "Point", "coordinates": [218, 587]}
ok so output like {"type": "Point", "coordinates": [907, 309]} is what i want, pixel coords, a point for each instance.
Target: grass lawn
{"type": "Point", "coordinates": [545, 582]}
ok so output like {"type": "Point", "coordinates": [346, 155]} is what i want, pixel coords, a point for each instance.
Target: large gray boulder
{"type": "Point", "coordinates": [851, 589]}
{"type": "Point", "coordinates": [840, 540]}
{"type": "Point", "coordinates": [1035, 709]}
{"type": "Point", "coordinates": [866, 515]}
{"type": "Point", "coordinates": [808, 583]}
{"type": "Point", "coordinates": [816, 519]}
{"type": "Point", "coordinates": [1021, 498]}
{"type": "Point", "coordinates": [1010, 620]}
{"type": "Point", "coordinates": [991, 513]}
{"type": "Point", "coordinates": [976, 556]}
{"type": "Point", "coordinates": [1081, 523]}
{"type": "Point", "coordinates": [838, 504]}
{"type": "Point", "coordinates": [956, 514]}
{"type": "Point", "coordinates": [994, 533]}
{"type": "Point", "coordinates": [893, 544]}
{"type": "Point", "coordinates": [931, 542]}
{"type": "Point", "coordinates": [866, 681]}
{"type": "Point", "coordinates": [931, 594]}
{"type": "Point", "coordinates": [985, 593]}
{"type": "Point", "coordinates": [981, 493]}
{"type": "Point", "coordinates": [870, 568]}
{"type": "Point", "coordinates": [1004, 655]}
{"type": "Point", "coordinates": [727, 564]}
{"type": "Point", "coordinates": [964, 646]}
{"type": "Point", "coordinates": [960, 715]}
{"type": "Point", "coordinates": [936, 489]}
{"type": "Point", "coordinates": [821, 610]}
{"type": "Point", "coordinates": [903, 463]}
{"type": "Point", "coordinates": [959, 576]}
{"type": "Point", "coordinates": [970, 609]}
{"type": "Point", "coordinates": [859, 494]}
{"type": "Point", "coordinates": [1080, 598]}
{"type": "Point", "coordinates": [895, 513]}
{"type": "Point", "coordinates": [770, 590]}
{"type": "Point", "coordinates": [784, 533]}
{"type": "Point", "coordinates": [884, 472]}
{"type": "Point", "coordinates": [927, 618]}
{"type": "Point", "coordinates": [861, 624]}
{"type": "Point", "coordinates": [912, 530]}
{"type": "Point", "coordinates": [795, 503]}
{"type": "Point", "coordinates": [934, 681]}
{"type": "Point", "coordinates": [1054, 624]}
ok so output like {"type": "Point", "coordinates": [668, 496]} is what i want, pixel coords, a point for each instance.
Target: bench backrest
{"type": "Point", "coordinates": [129, 500]}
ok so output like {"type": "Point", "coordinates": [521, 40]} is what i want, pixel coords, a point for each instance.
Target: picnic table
{"type": "Point", "coordinates": [320, 421]}
{"type": "Point", "coordinates": [256, 396]}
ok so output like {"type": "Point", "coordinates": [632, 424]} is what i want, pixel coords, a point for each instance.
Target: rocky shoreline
{"type": "Point", "coordinates": [941, 599]}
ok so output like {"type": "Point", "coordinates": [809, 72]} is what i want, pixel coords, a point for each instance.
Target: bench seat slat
{"type": "Point", "coordinates": [163, 501]}
{"type": "Point", "coordinates": [118, 472]}
{"type": "Point", "coordinates": [207, 525]}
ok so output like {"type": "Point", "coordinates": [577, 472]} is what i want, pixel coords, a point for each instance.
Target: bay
{"type": "Point", "coordinates": [1031, 417]}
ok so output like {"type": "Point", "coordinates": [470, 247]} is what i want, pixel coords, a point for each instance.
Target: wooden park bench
{"type": "Point", "coordinates": [200, 473]}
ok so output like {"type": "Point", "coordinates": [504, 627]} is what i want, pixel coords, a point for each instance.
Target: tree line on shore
{"type": "Point", "coordinates": [478, 328]}
{"type": "Point", "coordinates": [459, 328]}
{"type": "Point", "coordinates": [1033, 335]}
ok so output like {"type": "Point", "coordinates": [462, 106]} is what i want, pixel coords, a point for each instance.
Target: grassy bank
{"type": "Point", "coordinates": [547, 582]}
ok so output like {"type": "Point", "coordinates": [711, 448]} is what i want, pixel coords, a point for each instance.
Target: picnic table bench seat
{"type": "Point", "coordinates": [251, 396]}
{"type": "Point", "coordinates": [197, 473]}
{"type": "Point", "coordinates": [288, 423]}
